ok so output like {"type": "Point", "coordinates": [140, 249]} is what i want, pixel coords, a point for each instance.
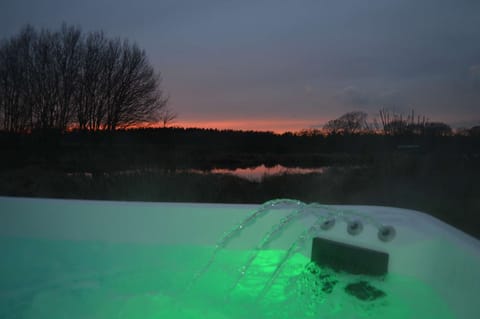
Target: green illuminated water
{"type": "Point", "coordinates": [63, 279]}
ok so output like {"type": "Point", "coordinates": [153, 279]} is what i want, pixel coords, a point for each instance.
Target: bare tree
{"type": "Point", "coordinates": [53, 80]}
{"type": "Point", "coordinates": [393, 123]}
{"type": "Point", "coordinates": [94, 92]}
{"type": "Point", "coordinates": [15, 75]}
{"type": "Point", "coordinates": [349, 123]}
{"type": "Point", "coordinates": [44, 82]}
{"type": "Point", "coordinates": [119, 88]}
{"type": "Point", "coordinates": [167, 116]}
{"type": "Point", "coordinates": [136, 97]}
{"type": "Point", "coordinates": [66, 49]}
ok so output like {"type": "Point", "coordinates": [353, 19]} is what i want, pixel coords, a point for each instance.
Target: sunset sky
{"type": "Point", "coordinates": [290, 64]}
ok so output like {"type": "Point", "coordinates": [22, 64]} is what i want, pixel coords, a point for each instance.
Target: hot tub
{"type": "Point", "coordinates": [283, 259]}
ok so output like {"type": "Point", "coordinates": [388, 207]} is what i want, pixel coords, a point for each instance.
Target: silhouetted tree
{"type": "Point", "coordinates": [15, 81]}
{"type": "Point", "coordinates": [118, 87]}
{"type": "Point", "coordinates": [393, 123]}
{"type": "Point", "coordinates": [474, 131]}
{"type": "Point", "coordinates": [94, 84]}
{"type": "Point", "coordinates": [53, 80]}
{"type": "Point", "coordinates": [437, 129]}
{"type": "Point", "coordinates": [167, 116]}
{"type": "Point", "coordinates": [135, 94]}
{"type": "Point", "coordinates": [398, 124]}
{"type": "Point", "coordinates": [349, 123]}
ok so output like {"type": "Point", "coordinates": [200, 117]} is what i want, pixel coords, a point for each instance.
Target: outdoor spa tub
{"type": "Point", "coordinates": [283, 259]}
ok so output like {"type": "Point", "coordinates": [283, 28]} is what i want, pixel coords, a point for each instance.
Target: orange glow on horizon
{"type": "Point", "coordinates": [278, 126]}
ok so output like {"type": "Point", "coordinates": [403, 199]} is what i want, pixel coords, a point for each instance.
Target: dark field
{"type": "Point", "coordinates": [438, 175]}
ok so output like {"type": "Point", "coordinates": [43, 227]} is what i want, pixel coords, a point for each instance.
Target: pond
{"type": "Point", "coordinates": [258, 173]}
{"type": "Point", "coordinates": [254, 174]}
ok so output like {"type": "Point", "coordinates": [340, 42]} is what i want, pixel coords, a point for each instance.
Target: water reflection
{"type": "Point", "coordinates": [256, 174]}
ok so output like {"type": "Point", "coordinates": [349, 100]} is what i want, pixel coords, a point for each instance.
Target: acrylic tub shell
{"type": "Point", "coordinates": [424, 247]}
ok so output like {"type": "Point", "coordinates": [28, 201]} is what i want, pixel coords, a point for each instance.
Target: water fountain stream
{"type": "Point", "coordinates": [325, 217]}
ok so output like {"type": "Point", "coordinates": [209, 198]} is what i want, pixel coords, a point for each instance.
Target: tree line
{"type": "Point", "coordinates": [387, 123]}
{"type": "Point", "coordinates": [68, 79]}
